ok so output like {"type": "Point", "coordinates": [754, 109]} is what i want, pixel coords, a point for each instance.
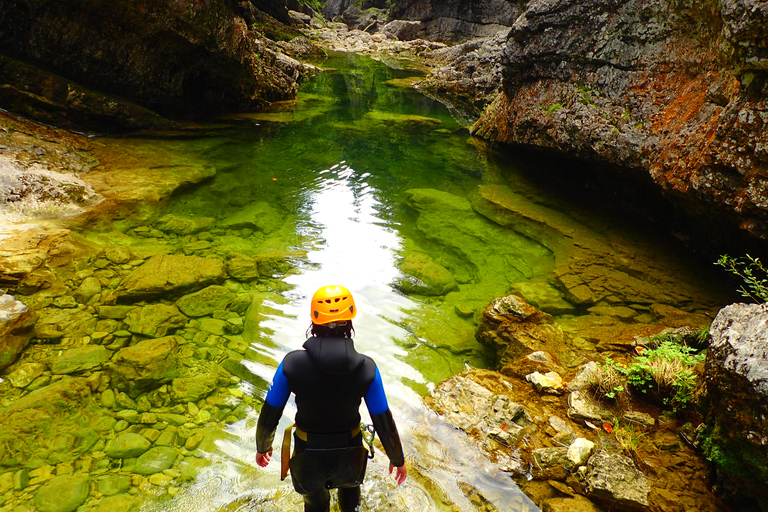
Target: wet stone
{"type": "Point", "coordinates": [155, 460]}
{"type": "Point", "coordinates": [127, 445]}
{"type": "Point", "coordinates": [550, 382]}
{"type": "Point", "coordinates": [62, 494]}
{"type": "Point", "coordinates": [206, 301]}
{"type": "Point", "coordinates": [114, 312]}
{"type": "Point", "coordinates": [192, 389]}
{"type": "Point", "coordinates": [79, 359]}
{"type": "Point", "coordinates": [117, 503]}
{"type": "Point", "coordinates": [155, 320]}
{"type": "Point", "coordinates": [90, 287]}
{"type": "Point", "coordinates": [26, 374]}
{"type": "Point", "coordinates": [110, 485]}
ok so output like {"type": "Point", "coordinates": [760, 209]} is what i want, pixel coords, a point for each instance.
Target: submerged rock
{"type": "Point", "coordinates": [164, 274]}
{"type": "Point", "coordinates": [145, 366]}
{"type": "Point", "coordinates": [736, 403]}
{"type": "Point", "coordinates": [206, 301]}
{"type": "Point", "coordinates": [155, 320]}
{"type": "Point", "coordinates": [424, 276]}
{"type": "Point", "coordinates": [63, 493]}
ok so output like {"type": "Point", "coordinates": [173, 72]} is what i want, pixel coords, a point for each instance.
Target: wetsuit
{"type": "Point", "coordinates": [329, 378]}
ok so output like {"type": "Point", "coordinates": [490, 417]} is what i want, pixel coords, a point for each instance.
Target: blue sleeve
{"type": "Point", "coordinates": [278, 392]}
{"type": "Point", "coordinates": [375, 398]}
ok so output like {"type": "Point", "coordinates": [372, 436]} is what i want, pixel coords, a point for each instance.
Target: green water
{"type": "Point", "coordinates": [356, 177]}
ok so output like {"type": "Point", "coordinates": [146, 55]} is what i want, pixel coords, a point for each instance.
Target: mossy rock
{"type": "Point", "coordinates": [424, 276]}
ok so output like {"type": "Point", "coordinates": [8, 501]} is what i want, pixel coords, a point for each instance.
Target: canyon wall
{"type": "Point", "coordinates": [673, 90]}
{"type": "Point", "coordinates": [108, 64]}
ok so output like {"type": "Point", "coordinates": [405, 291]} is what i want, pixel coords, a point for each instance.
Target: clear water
{"type": "Point", "coordinates": [362, 172]}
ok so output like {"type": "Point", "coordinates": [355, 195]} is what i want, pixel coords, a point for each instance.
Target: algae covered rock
{"type": "Point", "coordinates": [47, 424]}
{"type": "Point", "coordinates": [155, 460]}
{"type": "Point", "coordinates": [206, 301]}
{"type": "Point", "coordinates": [79, 359]}
{"type": "Point", "coordinates": [62, 493]}
{"type": "Point", "coordinates": [145, 366]}
{"type": "Point", "coordinates": [155, 320]}
{"type": "Point", "coordinates": [127, 445]}
{"type": "Point", "coordinates": [424, 276]}
{"type": "Point", "coordinates": [165, 274]}
{"type": "Point", "coordinates": [183, 225]}
{"type": "Point", "coordinates": [259, 216]}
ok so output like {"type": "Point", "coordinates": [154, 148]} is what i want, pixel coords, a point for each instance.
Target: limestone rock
{"type": "Point", "coordinates": [164, 274]}
{"type": "Point", "coordinates": [79, 359]}
{"type": "Point", "coordinates": [736, 404]}
{"type": "Point", "coordinates": [16, 328]}
{"type": "Point", "coordinates": [424, 276]}
{"type": "Point", "coordinates": [613, 477]}
{"type": "Point", "coordinates": [514, 329]}
{"type": "Point", "coordinates": [62, 493]}
{"type": "Point", "coordinates": [550, 462]}
{"type": "Point", "coordinates": [550, 382]}
{"type": "Point", "coordinates": [580, 407]}
{"type": "Point", "coordinates": [579, 451]}
{"type": "Point", "coordinates": [155, 320]}
{"type": "Point", "coordinates": [206, 301]}
{"type": "Point", "coordinates": [145, 366]}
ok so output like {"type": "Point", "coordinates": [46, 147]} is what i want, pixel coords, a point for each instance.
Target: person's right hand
{"type": "Point", "coordinates": [400, 474]}
{"type": "Point", "coordinates": [262, 459]}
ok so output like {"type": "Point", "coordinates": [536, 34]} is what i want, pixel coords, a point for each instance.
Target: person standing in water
{"type": "Point", "coordinates": [329, 379]}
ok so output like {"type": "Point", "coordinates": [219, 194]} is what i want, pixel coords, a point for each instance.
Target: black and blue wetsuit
{"type": "Point", "coordinates": [329, 379]}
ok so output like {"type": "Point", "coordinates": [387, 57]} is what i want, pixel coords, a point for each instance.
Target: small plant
{"type": "Point", "coordinates": [608, 381]}
{"type": "Point", "coordinates": [752, 272]}
{"type": "Point", "coordinates": [552, 108]}
{"type": "Point", "coordinates": [666, 374]}
{"type": "Point", "coordinates": [628, 439]}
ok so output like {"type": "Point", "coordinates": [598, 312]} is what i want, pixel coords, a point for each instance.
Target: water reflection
{"type": "Point", "coordinates": [355, 247]}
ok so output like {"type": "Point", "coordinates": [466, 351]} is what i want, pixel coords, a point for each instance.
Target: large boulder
{"type": "Point", "coordinates": [63, 493]}
{"type": "Point", "coordinates": [164, 274]}
{"type": "Point", "coordinates": [16, 328]}
{"type": "Point", "coordinates": [514, 328]}
{"type": "Point", "coordinates": [736, 405]}
{"type": "Point", "coordinates": [177, 59]}
{"type": "Point", "coordinates": [145, 366]}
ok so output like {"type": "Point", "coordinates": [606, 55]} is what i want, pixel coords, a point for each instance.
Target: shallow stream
{"type": "Point", "coordinates": [348, 181]}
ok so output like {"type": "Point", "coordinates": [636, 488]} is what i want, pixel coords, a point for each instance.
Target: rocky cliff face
{"type": "Point", "coordinates": [457, 20]}
{"type": "Point", "coordinates": [676, 90]}
{"type": "Point", "coordinates": [178, 59]}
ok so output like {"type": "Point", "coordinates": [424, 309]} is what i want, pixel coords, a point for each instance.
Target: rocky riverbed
{"type": "Point", "coordinates": [146, 412]}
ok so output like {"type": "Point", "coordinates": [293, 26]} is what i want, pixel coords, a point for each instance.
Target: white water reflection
{"type": "Point", "coordinates": [357, 250]}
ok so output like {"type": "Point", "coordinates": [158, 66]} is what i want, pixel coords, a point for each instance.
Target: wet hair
{"type": "Point", "coordinates": [338, 331]}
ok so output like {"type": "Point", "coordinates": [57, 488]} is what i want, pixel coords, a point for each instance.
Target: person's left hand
{"type": "Point", "coordinates": [262, 459]}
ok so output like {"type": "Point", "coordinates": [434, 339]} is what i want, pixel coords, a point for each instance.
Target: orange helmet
{"type": "Point", "coordinates": [332, 303]}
